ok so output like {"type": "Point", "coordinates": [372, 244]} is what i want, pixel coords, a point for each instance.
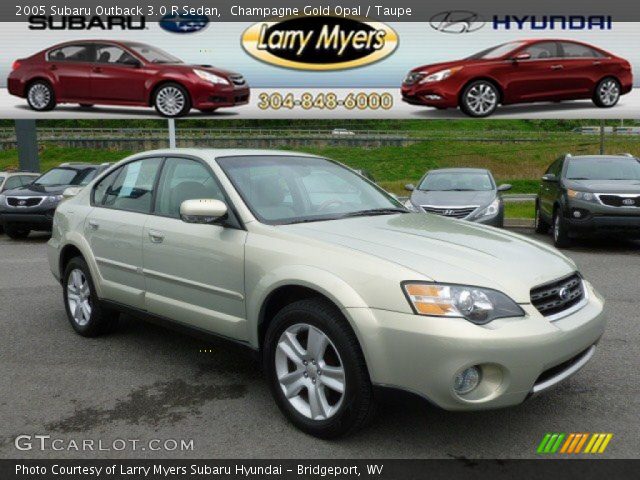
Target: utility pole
{"type": "Point", "coordinates": [602, 137]}
{"type": "Point", "coordinates": [172, 133]}
{"type": "Point", "coordinates": [27, 143]}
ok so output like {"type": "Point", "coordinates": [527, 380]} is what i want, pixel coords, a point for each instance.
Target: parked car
{"type": "Point", "coordinates": [462, 193]}
{"type": "Point", "coordinates": [333, 284]}
{"type": "Point", "coordinates": [518, 72]}
{"type": "Point", "coordinates": [11, 179]}
{"type": "Point", "coordinates": [342, 131]}
{"type": "Point", "coordinates": [589, 195]}
{"type": "Point", "coordinates": [30, 207]}
{"type": "Point", "coordinates": [109, 72]}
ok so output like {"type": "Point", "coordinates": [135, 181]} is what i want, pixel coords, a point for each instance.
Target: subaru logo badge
{"type": "Point", "coordinates": [184, 23]}
{"type": "Point", "coordinates": [628, 202]}
{"type": "Point", "coordinates": [564, 294]}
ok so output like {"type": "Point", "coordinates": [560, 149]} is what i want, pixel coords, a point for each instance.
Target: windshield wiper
{"type": "Point", "coordinates": [373, 211]}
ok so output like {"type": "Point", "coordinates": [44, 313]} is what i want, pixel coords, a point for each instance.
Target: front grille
{"type": "Point", "coordinates": [453, 212]}
{"type": "Point", "coordinates": [613, 200]}
{"type": "Point", "coordinates": [237, 80]}
{"type": "Point", "coordinates": [556, 297]}
{"type": "Point", "coordinates": [24, 201]}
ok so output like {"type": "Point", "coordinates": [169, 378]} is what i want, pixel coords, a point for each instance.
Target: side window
{"type": "Point", "coordinates": [553, 168]}
{"type": "Point", "coordinates": [542, 50]}
{"type": "Point", "coordinates": [130, 187]}
{"type": "Point", "coordinates": [12, 182]}
{"type": "Point", "coordinates": [575, 50]}
{"type": "Point", "coordinates": [184, 179]}
{"type": "Point", "coordinates": [113, 55]}
{"type": "Point", "coordinates": [72, 53]}
{"type": "Point", "coordinates": [557, 167]}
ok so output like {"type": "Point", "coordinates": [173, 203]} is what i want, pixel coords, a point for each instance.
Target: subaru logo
{"type": "Point", "coordinates": [184, 23]}
{"type": "Point", "coordinates": [564, 294]}
{"type": "Point", "coordinates": [456, 21]}
{"type": "Point", "coordinates": [628, 202]}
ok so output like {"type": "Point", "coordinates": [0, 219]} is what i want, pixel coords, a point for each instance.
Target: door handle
{"type": "Point", "coordinates": [155, 236]}
{"type": "Point", "coordinates": [557, 67]}
{"type": "Point", "coordinates": [94, 224]}
{"type": "Point", "coordinates": [597, 62]}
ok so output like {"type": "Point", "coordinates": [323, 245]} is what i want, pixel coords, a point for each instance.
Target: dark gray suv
{"type": "Point", "coordinates": [589, 195]}
{"type": "Point", "coordinates": [463, 193]}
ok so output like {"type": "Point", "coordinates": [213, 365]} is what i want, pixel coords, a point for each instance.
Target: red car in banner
{"type": "Point", "coordinates": [123, 73]}
{"type": "Point", "coordinates": [518, 72]}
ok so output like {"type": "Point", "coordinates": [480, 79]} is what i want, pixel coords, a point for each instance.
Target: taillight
{"type": "Point", "coordinates": [16, 65]}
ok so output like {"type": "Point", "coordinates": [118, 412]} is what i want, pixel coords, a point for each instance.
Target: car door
{"type": "Point", "coordinates": [536, 77]}
{"type": "Point", "coordinates": [117, 75]}
{"type": "Point", "coordinates": [583, 67]}
{"type": "Point", "coordinates": [549, 189]}
{"type": "Point", "coordinates": [71, 66]}
{"type": "Point", "coordinates": [194, 273]}
{"type": "Point", "coordinates": [122, 202]}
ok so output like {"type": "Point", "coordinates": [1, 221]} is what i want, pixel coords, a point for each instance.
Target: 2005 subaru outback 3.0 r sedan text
{"type": "Point", "coordinates": [331, 280]}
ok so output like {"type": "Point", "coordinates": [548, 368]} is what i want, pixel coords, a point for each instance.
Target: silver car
{"type": "Point", "coordinates": [463, 193]}
{"type": "Point", "coordinates": [330, 280]}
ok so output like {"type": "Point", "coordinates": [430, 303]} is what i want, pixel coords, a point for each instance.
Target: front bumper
{"type": "Point", "coordinates": [442, 94]}
{"type": "Point", "coordinates": [517, 356]}
{"type": "Point", "coordinates": [41, 220]}
{"type": "Point", "coordinates": [604, 224]}
{"type": "Point", "coordinates": [207, 96]}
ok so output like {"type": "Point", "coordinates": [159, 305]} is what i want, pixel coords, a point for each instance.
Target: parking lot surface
{"type": "Point", "coordinates": [147, 383]}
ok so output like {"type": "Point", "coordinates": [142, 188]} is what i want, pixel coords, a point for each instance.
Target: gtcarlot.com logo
{"type": "Point", "coordinates": [574, 443]}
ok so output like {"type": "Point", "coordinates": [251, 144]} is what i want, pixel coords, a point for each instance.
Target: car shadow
{"type": "Point", "coordinates": [601, 244]}
{"type": "Point", "coordinates": [141, 111]}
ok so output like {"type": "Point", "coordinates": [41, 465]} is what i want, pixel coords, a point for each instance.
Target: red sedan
{"type": "Point", "coordinates": [519, 72]}
{"type": "Point", "coordinates": [123, 73]}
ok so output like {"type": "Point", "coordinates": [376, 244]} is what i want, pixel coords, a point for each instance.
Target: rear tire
{"type": "Point", "coordinates": [541, 225]}
{"type": "Point", "coordinates": [16, 232]}
{"type": "Point", "coordinates": [87, 315]}
{"type": "Point", "coordinates": [40, 96]}
{"type": "Point", "coordinates": [561, 237]}
{"type": "Point", "coordinates": [314, 376]}
{"type": "Point", "coordinates": [607, 93]}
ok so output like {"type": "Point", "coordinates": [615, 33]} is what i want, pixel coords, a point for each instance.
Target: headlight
{"type": "Point", "coordinates": [492, 209]}
{"type": "Point", "coordinates": [411, 206]}
{"type": "Point", "coordinates": [478, 305]}
{"type": "Point", "coordinates": [53, 199]}
{"type": "Point", "coordinates": [211, 77]}
{"type": "Point", "coordinates": [440, 75]}
{"type": "Point", "coordinates": [586, 196]}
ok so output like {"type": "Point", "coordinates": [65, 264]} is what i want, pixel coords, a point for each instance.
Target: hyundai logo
{"type": "Point", "coordinates": [456, 21]}
{"type": "Point", "coordinates": [564, 294]}
{"type": "Point", "coordinates": [184, 23]}
{"type": "Point", "coordinates": [449, 213]}
{"type": "Point", "coordinates": [628, 202]}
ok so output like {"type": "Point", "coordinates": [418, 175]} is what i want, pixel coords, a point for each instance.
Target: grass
{"type": "Point", "coordinates": [519, 210]}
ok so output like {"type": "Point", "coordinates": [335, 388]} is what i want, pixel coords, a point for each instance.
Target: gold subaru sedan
{"type": "Point", "coordinates": [336, 286]}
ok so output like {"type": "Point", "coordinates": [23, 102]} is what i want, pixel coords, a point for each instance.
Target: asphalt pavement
{"type": "Point", "coordinates": [146, 383]}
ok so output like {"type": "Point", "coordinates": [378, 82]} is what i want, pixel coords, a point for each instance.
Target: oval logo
{"type": "Point", "coordinates": [184, 23]}
{"type": "Point", "coordinates": [320, 43]}
{"type": "Point", "coordinates": [628, 201]}
{"type": "Point", "coordinates": [456, 21]}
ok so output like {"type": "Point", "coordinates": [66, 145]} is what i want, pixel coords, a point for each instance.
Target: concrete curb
{"type": "Point", "coordinates": [519, 222]}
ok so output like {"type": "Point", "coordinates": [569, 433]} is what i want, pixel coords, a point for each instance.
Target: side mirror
{"type": "Point", "coordinates": [504, 187]}
{"type": "Point", "coordinates": [132, 62]}
{"type": "Point", "coordinates": [521, 56]}
{"type": "Point", "coordinates": [409, 187]}
{"type": "Point", "coordinates": [206, 210]}
{"type": "Point", "coordinates": [71, 192]}
{"type": "Point", "coordinates": [549, 177]}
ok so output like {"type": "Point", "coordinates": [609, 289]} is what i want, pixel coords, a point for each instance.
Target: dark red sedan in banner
{"type": "Point", "coordinates": [123, 73]}
{"type": "Point", "coordinates": [519, 72]}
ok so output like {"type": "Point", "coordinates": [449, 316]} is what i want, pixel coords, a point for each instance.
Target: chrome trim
{"type": "Point", "coordinates": [621, 195]}
{"type": "Point", "coordinates": [573, 309]}
{"type": "Point", "coordinates": [122, 266]}
{"type": "Point", "coordinates": [551, 382]}
{"type": "Point", "coordinates": [446, 207]}
{"type": "Point", "coordinates": [24, 198]}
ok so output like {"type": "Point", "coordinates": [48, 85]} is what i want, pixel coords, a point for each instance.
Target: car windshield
{"type": "Point", "coordinates": [1, 180]}
{"type": "Point", "coordinates": [603, 169]}
{"type": "Point", "coordinates": [457, 182]}
{"type": "Point", "coordinates": [66, 176]}
{"type": "Point", "coordinates": [496, 52]}
{"type": "Point", "coordinates": [288, 189]}
{"type": "Point", "coordinates": [153, 54]}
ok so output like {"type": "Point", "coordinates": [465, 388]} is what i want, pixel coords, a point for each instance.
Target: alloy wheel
{"type": "Point", "coordinates": [79, 297]}
{"type": "Point", "coordinates": [481, 98]}
{"type": "Point", "coordinates": [170, 101]}
{"type": "Point", "coordinates": [310, 371]}
{"type": "Point", "coordinates": [609, 92]}
{"type": "Point", "coordinates": [39, 96]}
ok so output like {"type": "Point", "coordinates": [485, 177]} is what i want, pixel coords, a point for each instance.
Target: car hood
{"type": "Point", "coordinates": [206, 68]}
{"type": "Point", "coordinates": [605, 186]}
{"type": "Point", "coordinates": [447, 251]}
{"type": "Point", "coordinates": [452, 198]}
{"type": "Point", "coordinates": [36, 190]}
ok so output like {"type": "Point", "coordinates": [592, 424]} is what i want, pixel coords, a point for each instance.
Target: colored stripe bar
{"type": "Point", "coordinates": [543, 443]}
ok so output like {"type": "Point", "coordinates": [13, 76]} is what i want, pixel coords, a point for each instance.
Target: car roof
{"type": "Point", "coordinates": [591, 157]}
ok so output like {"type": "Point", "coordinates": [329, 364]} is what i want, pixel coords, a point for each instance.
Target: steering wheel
{"type": "Point", "coordinates": [328, 203]}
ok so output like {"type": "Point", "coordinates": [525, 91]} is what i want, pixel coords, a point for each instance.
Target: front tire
{"type": "Point", "coordinates": [316, 370]}
{"type": "Point", "coordinates": [479, 99]}
{"type": "Point", "coordinates": [16, 232]}
{"type": "Point", "coordinates": [541, 225]}
{"type": "Point", "coordinates": [607, 93]}
{"type": "Point", "coordinates": [172, 100]}
{"type": "Point", "coordinates": [561, 237]}
{"type": "Point", "coordinates": [40, 96]}
{"type": "Point", "coordinates": [85, 312]}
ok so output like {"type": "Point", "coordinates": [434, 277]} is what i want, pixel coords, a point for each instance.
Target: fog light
{"type": "Point", "coordinates": [433, 97]}
{"type": "Point", "coordinates": [577, 213]}
{"type": "Point", "coordinates": [465, 381]}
